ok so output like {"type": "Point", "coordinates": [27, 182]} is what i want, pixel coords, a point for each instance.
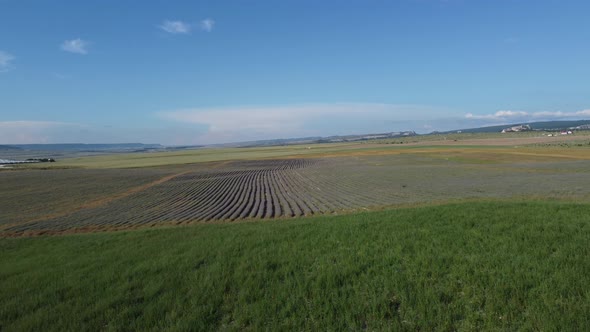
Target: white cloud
{"type": "Point", "coordinates": [207, 24]}
{"type": "Point", "coordinates": [5, 61]}
{"type": "Point", "coordinates": [268, 122]}
{"type": "Point", "coordinates": [559, 114]}
{"type": "Point", "coordinates": [503, 116]}
{"type": "Point", "coordinates": [500, 115]}
{"type": "Point", "coordinates": [176, 27]}
{"type": "Point", "coordinates": [510, 113]}
{"type": "Point", "coordinates": [78, 46]}
{"type": "Point", "coordinates": [233, 124]}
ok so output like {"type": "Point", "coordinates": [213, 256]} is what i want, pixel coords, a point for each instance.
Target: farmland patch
{"type": "Point", "coordinates": [286, 188]}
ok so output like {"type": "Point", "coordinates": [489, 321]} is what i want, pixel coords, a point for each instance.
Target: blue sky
{"type": "Point", "coordinates": [195, 72]}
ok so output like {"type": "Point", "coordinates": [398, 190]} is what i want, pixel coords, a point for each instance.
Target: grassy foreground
{"type": "Point", "coordinates": [469, 266]}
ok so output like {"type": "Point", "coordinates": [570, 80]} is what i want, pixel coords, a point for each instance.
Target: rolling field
{"type": "Point", "coordinates": [360, 237]}
{"type": "Point", "coordinates": [469, 266]}
{"type": "Point", "coordinates": [90, 200]}
{"type": "Point", "coordinates": [329, 166]}
{"type": "Point", "coordinates": [526, 142]}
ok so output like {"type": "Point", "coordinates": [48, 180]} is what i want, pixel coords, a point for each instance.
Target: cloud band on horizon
{"type": "Point", "coordinates": [507, 115]}
{"type": "Point", "coordinates": [233, 124]}
{"type": "Point", "coordinates": [195, 126]}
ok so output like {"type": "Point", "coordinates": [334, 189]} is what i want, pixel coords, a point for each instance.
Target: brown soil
{"type": "Point", "coordinates": [101, 201]}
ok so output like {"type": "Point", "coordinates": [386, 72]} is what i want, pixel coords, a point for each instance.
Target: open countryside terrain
{"type": "Point", "coordinates": [362, 176]}
{"type": "Point", "coordinates": [410, 165]}
{"type": "Point", "coordinates": [363, 236]}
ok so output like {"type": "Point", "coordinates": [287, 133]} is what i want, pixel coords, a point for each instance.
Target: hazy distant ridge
{"type": "Point", "coordinates": [85, 147]}
{"type": "Point", "coordinates": [542, 125]}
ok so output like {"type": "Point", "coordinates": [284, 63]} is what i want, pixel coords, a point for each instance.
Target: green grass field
{"type": "Point", "coordinates": [472, 266]}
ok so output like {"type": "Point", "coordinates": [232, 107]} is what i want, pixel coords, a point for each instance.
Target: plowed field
{"type": "Point", "coordinates": [263, 189]}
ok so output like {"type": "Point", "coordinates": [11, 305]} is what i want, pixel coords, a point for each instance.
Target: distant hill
{"type": "Point", "coordinates": [8, 147]}
{"type": "Point", "coordinates": [312, 140]}
{"type": "Point", "coordinates": [78, 147]}
{"type": "Point", "coordinates": [544, 125]}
